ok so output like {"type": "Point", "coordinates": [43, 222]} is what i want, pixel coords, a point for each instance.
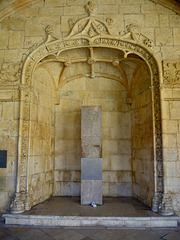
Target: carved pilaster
{"type": "Point", "coordinates": [165, 207]}
{"type": "Point", "coordinates": [17, 205]}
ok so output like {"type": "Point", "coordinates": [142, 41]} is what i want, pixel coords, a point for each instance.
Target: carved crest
{"type": "Point", "coordinates": [89, 26]}
{"type": "Point", "coordinates": [171, 72]}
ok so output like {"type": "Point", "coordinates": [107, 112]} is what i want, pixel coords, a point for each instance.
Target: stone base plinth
{"type": "Point", "coordinates": [91, 191]}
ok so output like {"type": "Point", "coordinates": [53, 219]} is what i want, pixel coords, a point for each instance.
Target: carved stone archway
{"type": "Point", "coordinates": [89, 32]}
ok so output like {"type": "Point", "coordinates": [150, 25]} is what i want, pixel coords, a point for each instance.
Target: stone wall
{"type": "Point", "coordinates": [142, 137]}
{"type": "Point", "coordinates": [9, 130]}
{"type": "Point", "coordinates": [116, 136]}
{"type": "Point", "coordinates": [171, 137]}
{"type": "Point", "coordinates": [41, 154]}
{"type": "Point", "coordinates": [26, 27]}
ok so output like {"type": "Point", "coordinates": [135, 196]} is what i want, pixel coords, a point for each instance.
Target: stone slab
{"type": "Point", "coordinates": [91, 147]}
{"type": "Point", "coordinates": [91, 121]}
{"type": "Point", "coordinates": [91, 191]}
{"type": "Point", "coordinates": [91, 168]}
{"type": "Point", "coordinates": [78, 221]}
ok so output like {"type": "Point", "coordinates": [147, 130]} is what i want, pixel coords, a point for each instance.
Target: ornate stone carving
{"type": "Point", "coordinates": [89, 26]}
{"type": "Point", "coordinates": [165, 207]}
{"type": "Point", "coordinates": [171, 72]}
{"type": "Point", "coordinates": [49, 33]}
{"type": "Point", "coordinates": [10, 72]}
{"type": "Point", "coordinates": [91, 7]}
{"type": "Point", "coordinates": [109, 21]}
{"type": "Point", "coordinates": [17, 205]}
{"type": "Point", "coordinates": [91, 32]}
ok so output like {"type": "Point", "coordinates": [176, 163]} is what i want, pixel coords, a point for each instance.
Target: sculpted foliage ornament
{"type": "Point", "coordinates": [10, 72]}
{"type": "Point", "coordinates": [92, 27]}
{"type": "Point", "coordinates": [171, 72]}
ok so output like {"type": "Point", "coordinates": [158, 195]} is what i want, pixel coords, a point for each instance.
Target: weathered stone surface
{"type": "Point", "coordinates": [91, 147]}
{"type": "Point", "coordinates": [91, 121]}
{"type": "Point", "coordinates": [127, 131]}
{"type": "Point", "coordinates": [92, 191]}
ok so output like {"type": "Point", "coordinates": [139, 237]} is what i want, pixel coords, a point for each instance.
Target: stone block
{"type": "Point", "coordinates": [75, 2]}
{"type": "Point", "coordinates": [106, 163]}
{"type": "Point", "coordinates": [105, 85]}
{"type": "Point", "coordinates": [33, 30]}
{"type": "Point", "coordinates": [129, 9]}
{"type": "Point", "coordinates": [170, 126]}
{"type": "Point", "coordinates": [153, 8]}
{"type": "Point", "coordinates": [170, 169]}
{"type": "Point", "coordinates": [13, 24]}
{"type": "Point", "coordinates": [55, 3]}
{"type": "Point", "coordinates": [151, 20]}
{"type": "Point", "coordinates": [91, 121]}
{"type": "Point", "coordinates": [91, 191]}
{"type": "Point", "coordinates": [74, 9]}
{"type": "Point", "coordinates": [164, 20]}
{"type": "Point", "coordinates": [4, 39]}
{"type": "Point", "coordinates": [91, 168]}
{"type": "Point", "coordinates": [50, 11]}
{"type": "Point", "coordinates": [170, 154]}
{"type": "Point", "coordinates": [91, 147]}
{"type": "Point", "coordinates": [170, 52]}
{"type": "Point", "coordinates": [14, 55]}
{"type": "Point", "coordinates": [174, 20]}
{"type": "Point", "coordinates": [108, 9]}
{"type": "Point", "coordinates": [120, 162]}
{"type": "Point", "coordinates": [176, 36]}
{"type": "Point", "coordinates": [121, 189]}
{"type": "Point", "coordinates": [170, 140]}
{"type": "Point", "coordinates": [133, 18]}
{"type": "Point", "coordinates": [110, 147]}
{"type": "Point", "coordinates": [164, 36]}
{"type": "Point", "coordinates": [175, 110]}
{"type": "Point", "coordinates": [92, 84]}
{"type": "Point", "coordinates": [110, 176]}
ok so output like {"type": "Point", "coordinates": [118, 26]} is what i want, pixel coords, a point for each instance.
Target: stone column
{"type": "Point", "coordinates": [91, 161]}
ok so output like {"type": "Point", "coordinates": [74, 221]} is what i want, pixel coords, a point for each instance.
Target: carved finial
{"type": "Point", "coordinates": [91, 7]}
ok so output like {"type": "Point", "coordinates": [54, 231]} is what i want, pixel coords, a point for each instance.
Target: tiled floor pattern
{"type": "Point", "coordinates": [43, 233]}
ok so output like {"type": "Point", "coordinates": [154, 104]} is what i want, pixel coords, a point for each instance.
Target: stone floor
{"type": "Point", "coordinates": [70, 206]}
{"type": "Point", "coordinates": [112, 207]}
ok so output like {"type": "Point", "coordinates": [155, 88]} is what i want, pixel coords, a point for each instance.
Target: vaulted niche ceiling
{"type": "Point", "coordinates": [92, 62]}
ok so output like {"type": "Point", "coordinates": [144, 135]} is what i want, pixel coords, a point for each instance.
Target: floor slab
{"type": "Point", "coordinates": [115, 212]}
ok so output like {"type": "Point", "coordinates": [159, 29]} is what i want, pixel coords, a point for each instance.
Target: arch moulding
{"type": "Point", "coordinates": [93, 34]}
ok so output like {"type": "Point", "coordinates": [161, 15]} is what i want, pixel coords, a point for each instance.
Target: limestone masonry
{"type": "Point", "coordinates": [57, 56]}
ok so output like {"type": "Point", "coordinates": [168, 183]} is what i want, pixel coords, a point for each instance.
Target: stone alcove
{"type": "Point", "coordinates": [129, 68]}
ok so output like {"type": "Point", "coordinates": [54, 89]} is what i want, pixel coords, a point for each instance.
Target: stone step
{"type": "Point", "coordinates": [79, 221]}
